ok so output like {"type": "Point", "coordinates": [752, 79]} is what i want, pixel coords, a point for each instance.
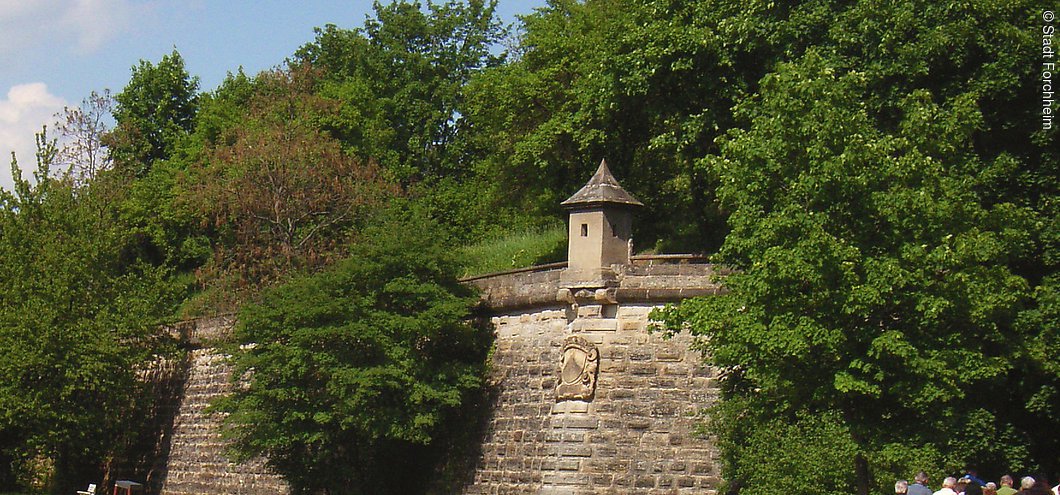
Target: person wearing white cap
{"type": "Point", "coordinates": [948, 486]}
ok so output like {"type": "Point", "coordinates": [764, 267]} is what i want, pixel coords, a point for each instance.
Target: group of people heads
{"type": "Point", "coordinates": [970, 484]}
{"type": "Point", "coordinates": [1031, 486]}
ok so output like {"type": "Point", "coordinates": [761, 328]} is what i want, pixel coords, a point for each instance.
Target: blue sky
{"type": "Point", "coordinates": [53, 53]}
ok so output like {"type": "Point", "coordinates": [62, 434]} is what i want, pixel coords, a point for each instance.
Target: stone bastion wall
{"type": "Point", "coordinates": [585, 398]}
{"type": "Point", "coordinates": [195, 462]}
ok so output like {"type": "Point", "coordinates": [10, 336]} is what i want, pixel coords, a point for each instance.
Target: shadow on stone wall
{"type": "Point", "coordinates": [457, 454]}
{"type": "Point", "coordinates": [146, 446]}
{"type": "Point", "coordinates": [454, 456]}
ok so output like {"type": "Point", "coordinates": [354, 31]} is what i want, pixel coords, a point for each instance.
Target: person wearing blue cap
{"type": "Point", "coordinates": [972, 487]}
{"type": "Point", "coordinates": [973, 477]}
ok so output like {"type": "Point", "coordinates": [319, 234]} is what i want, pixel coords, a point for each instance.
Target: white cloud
{"type": "Point", "coordinates": [84, 25]}
{"type": "Point", "coordinates": [25, 109]}
{"type": "Point", "coordinates": [96, 21]}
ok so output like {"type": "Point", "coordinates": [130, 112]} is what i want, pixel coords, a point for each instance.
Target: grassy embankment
{"type": "Point", "coordinates": [512, 250]}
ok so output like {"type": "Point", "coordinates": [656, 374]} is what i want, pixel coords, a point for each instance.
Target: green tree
{"type": "Point", "coordinates": [222, 109]}
{"type": "Point", "coordinates": [153, 113]}
{"type": "Point", "coordinates": [651, 85]}
{"type": "Point", "coordinates": [808, 454]}
{"type": "Point", "coordinates": [892, 275]}
{"type": "Point", "coordinates": [157, 207]}
{"type": "Point", "coordinates": [647, 85]}
{"type": "Point", "coordinates": [277, 192]}
{"type": "Point", "coordinates": [78, 318]}
{"type": "Point", "coordinates": [350, 372]}
{"type": "Point", "coordinates": [401, 80]}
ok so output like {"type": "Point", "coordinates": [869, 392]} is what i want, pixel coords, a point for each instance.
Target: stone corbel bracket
{"type": "Point", "coordinates": [575, 296]}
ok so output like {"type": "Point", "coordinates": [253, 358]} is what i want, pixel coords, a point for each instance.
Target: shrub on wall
{"type": "Point", "coordinates": [807, 454]}
{"type": "Point", "coordinates": [351, 373]}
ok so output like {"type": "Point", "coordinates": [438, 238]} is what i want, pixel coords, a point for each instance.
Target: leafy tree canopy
{"type": "Point", "coordinates": [401, 80]}
{"type": "Point", "coordinates": [154, 112]}
{"type": "Point", "coordinates": [277, 192]}
{"type": "Point", "coordinates": [647, 85]}
{"type": "Point", "coordinates": [891, 218]}
{"type": "Point", "coordinates": [79, 316]}
{"type": "Point", "coordinates": [352, 370]}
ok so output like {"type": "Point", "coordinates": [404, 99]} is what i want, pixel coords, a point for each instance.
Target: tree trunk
{"type": "Point", "coordinates": [861, 474]}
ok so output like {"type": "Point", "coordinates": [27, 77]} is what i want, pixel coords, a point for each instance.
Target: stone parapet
{"type": "Point", "coordinates": [660, 278]}
{"type": "Point", "coordinates": [205, 331]}
{"type": "Point", "coordinates": [524, 288]}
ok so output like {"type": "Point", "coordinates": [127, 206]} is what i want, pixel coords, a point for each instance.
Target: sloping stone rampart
{"type": "Point", "coordinates": [197, 463]}
{"type": "Point", "coordinates": [637, 434]}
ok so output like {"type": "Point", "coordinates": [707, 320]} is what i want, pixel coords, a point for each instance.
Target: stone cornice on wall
{"type": "Point", "coordinates": [205, 331]}
{"type": "Point", "coordinates": [647, 279]}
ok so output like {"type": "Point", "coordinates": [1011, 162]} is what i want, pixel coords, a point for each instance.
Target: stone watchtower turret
{"type": "Point", "coordinates": [600, 231]}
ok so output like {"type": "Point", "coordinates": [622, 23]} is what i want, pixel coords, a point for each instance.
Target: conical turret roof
{"type": "Point", "coordinates": [602, 188]}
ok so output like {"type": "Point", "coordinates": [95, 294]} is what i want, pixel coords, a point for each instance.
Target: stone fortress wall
{"type": "Point", "coordinates": [196, 463]}
{"type": "Point", "coordinates": [634, 431]}
{"type": "Point", "coordinates": [586, 398]}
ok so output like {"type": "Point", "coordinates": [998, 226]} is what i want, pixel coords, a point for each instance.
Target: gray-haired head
{"type": "Point", "coordinates": [949, 482]}
{"type": "Point", "coordinates": [901, 486]}
{"type": "Point", "coordinates": [1026, 483]}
